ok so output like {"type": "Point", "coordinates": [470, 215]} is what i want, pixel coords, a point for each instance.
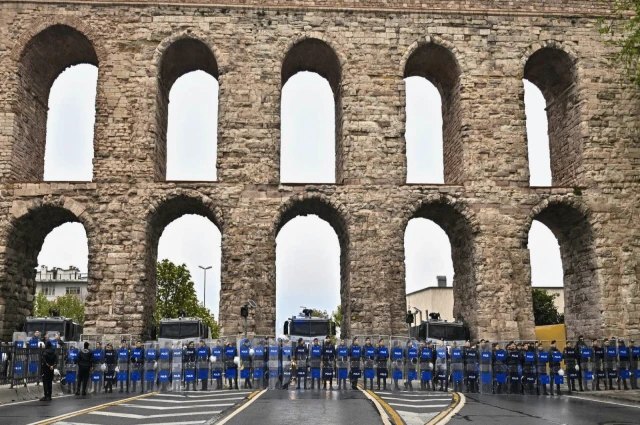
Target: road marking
{"type": "Point", "coordinates": [413, 405]}
{"type": "Point", "coordinates": [397, 420]}
{"type": "Point", "coordinates": [164, 415]}
{"type": "Point", "coordinates": [381, 411]}
{"type": "Point", "coordinates": [253, 397]}
{"type": "Point", "coordinates": [445, 416]}
{"type": "Point", "coordinates": [31, 401]}
{"type": "Point", "coordinates": [416, 401]}
{"type": "Point", "coordinates": [205, 395]}
{"type": "Point", "coordinates": [89, 410]}
{"type": "Point", "coordinates": [412, 395]}
{"type": "Point", "coordinates": [603, 401]}
{"type": "Point", "coordinates": [156, 423]}
{"type": "Point", "coordinates": [158, 400]}
{"type": "Point", "coordinates": [139, 406]}
{"type": "Point", "coordinates": [412, 418]}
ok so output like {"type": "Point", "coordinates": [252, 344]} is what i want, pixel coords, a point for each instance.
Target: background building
{"type": "Point", "coordinates": [439, 299]}
{"type": "Point", "coordinates": [56, 282]}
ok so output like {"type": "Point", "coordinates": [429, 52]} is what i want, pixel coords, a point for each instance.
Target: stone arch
{"type": "Point", "coordinates": [46, 54]}
{"type": "Point", "coordinates": [553, 68]}
{"type": "Point", "coordinates": [23, 236]}
{"type": "Point", "coordinates": [570, 221]}
{"type": "Point", "coordinates": [318, 55]}
{"type": "Point", "coordinates": [436, 60]}
{"type": "Point", "coordinates": [461, 226]}
{"type": "Point", "coordinates": [336, 215]}
{"type": "Point", "coordinates": [176, 56]}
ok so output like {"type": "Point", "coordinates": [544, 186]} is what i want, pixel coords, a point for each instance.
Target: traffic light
{"type": "Point", "coordinates": [409, 318]}
{"type": "Point", "coordinates": [244, 311]}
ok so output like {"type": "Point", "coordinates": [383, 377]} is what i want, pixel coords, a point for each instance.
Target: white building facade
{"type": "Point", "coordinates": [56, 282]}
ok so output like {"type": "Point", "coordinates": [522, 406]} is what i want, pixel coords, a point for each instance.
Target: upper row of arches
{"type": "Point", "coordinates": [59, 47]}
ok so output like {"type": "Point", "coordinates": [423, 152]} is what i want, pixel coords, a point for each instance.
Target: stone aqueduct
{"type": "Point", "coordinates": [475, 52]}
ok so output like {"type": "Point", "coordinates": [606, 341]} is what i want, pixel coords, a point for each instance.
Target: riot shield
{"type": "Point", "coordinates": [623, 365]}
{"type": "Point", "coordinates": [231, 362]}
{"type": "Point", "coordinates": [189, 365]}
{"type": "Point", "coordinates": [634, 364]}
{"type": "Point", "coordinates": [442, 369]}
{"type": "Point", "coordinates": [611, 363]}
{"type": "Point", "coordinates": [571, 369]}
{"type": "Point", "coordinates": [382, 362]}
{"type": "Point", "coordinates": [586, 365]}
{"type": "Point", "coordinates": [35, 347]}
{"type": "Point", "coordinates": [542, 369]}
{"type": "Point", "coordinates": [286, 360]}
{"type": "Point", "coordinates": [355, 363]}
{"type": "Point", "coordinates": [300, 363]}
{"type": "Point", "coordinates": [529, 371]}
{"type": "Point", "coordinates": [136, 368]}
{"type": "Point", "coordinates": [217, 363]}
{"type": "Point", "coordinates": [397, 359]}
{"type": "Point", "coordinates": [99, 366]}
{"type": "Point", "coordinates": [411, 365]}
{"type": "Point", "coordinates": [259, 363]}
{"type": "Point", "coordinates": [426, 366]}
{"type": "Point", "coordinates": [513, 370]}
{"type": "Point", "coordinates": [122, 369]}
{"type": "Point", "coordinates": [342, 364]}
{"type": "Point", "coordinates": [246, 353]}
{"type": "Point", "coordinates": [164, 364]}
{"type": "Point", "coordinates": [71, 366]}
{"type": "Point", "coordinates": [274, 364]}
{"type": "Point", "coordinates": [369, 362]}
{"type": "Point", "coordinates": [500, 371]}
{"type": "Point", "coordinates": [470, 355]}
{"type": "Point", "coordinates": [203, 355]}
{"type": "Point", "coordinates": [150, 366]}
{"type": "Point", "coordinates": [20, 358]}
{"type": "Point", "coordinates": [486, 368]}
{"type": "Point", "coordinates": [555, 368]}
{"type": "Point", "coordinates": [315, 364]}
{"type": "Point", "coordinates": [457, 368]}
{"type": "Point", "coordinates": [177, 374]}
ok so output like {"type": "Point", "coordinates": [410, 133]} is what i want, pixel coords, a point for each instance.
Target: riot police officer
{"type": "Point", "coordinates": [514, 361]}
{"type": "Point", "coordinates": [369, 356]}
{"type": "Point", "coordinates": [328, 357]}
{"type": "Point", "coordinates": [542, 359]}
{"type": "Point", "coordinates": [610, 361]}
{"type": "Point", "coordinates": [301, 355]}
{"type": "Point", "coordinates": [355, 354]}
{"type": "Point", "coordinates": [217, 354]}
{"type": "Point", "coordinates": [98, 361]}
{"type": "Point", "coordinates": [203, 355]}
{"type": "Point", "coordinates": [123, 363]}
{"type": "Point", "coordinates": [342, 362]}
{"type": "Point", "coordinates": [110, 356]}
{"type": "Point", "coordinates": [634, 351]}
{"type": "Point", "coordinates": [582, 362]}
{"type": "Point", "coordinates": [598, 364]}
{"type": "Point", "coordinates": [137, 363]}
{"type": "Point", "coordinates": [555, 357]}
{"type": "Point", "coordinates": [315, 359]}
{"type": "Point", "coordinates": [230, 352]}
{"type": "Point", "coordinates": [189, 360]}
{"type": "Point", "coordinates": [382, 359]}
{"type": "Point", "coordinates": [470, 354]}
{"type": "Point", "coordinates": [570, 360]}
{"type": "Point", "coordinates": [623, 357]}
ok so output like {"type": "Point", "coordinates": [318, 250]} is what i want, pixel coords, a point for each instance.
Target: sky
{"type": "Point", "coordinates": [307, 249]}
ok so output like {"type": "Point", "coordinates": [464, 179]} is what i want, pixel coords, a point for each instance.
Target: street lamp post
{"type": "Point", "coordinates": [204, 286]}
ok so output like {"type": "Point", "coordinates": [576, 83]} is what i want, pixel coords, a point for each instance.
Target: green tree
{"type": "Point", "coordinates": [319, 313]}
{"type": "Point", "coordinates": [337, 315]}
{"type": "Point", "coordinates": [623, 30]}
{"type": "Point", "coordinates": [544, 310]}
{"type": "Point", "coordinates": [175, 292]}
{"type": "Point", "coordinates": [68, 305]}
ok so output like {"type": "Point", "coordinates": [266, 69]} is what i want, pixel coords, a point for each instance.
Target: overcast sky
{"type": "Point", "coordinates": [307, 253]}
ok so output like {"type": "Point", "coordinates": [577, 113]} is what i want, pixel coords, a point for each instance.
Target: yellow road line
{"type": "Point", "coordinates": [253, 394]}
{"type": "Point", "coordinates": [91, 409]}
{"type": "Point", "coordinates": [444, 416]}
{"type": "Point", "coordinates": [253, 397]}
{"type": "Point", "coordinates": [397, 420]}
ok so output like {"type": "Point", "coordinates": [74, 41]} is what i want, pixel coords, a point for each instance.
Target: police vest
{"type": "Point", "coordinates": [598, 352]}
{"type": "Point", "coordinates": [396, 353]}
{"type": "Point", "coordinates": [441, 353]}
{"type": "Point", "coordinates": [570, 352]}
{"type": "Point", "coordinates": [369, 352]}
{"type": "Point", "coordinates": [33, 343]}
{"type": "Point", "coordinates": [635, 352]}
{"type": "Point", "coordinates": [110, 356]}
{"type": "Point", "coordinates": [485, 356]}
{"type": "Point", "coordinates": [383, 352]}
{"type": "Point", "coordinates": [301, 352]}
{"type": "Point", "coordinates": [230, 352]}
{"type": "Point", "coordinates": [412, 353]}
{"type": "Point", "coordinates": [623, 352]}
{"type": "Point", "coordinates": [472, 355]}
{"type": "Point", "coordinates": [97, 355]}
{"type": "Point", "coordinates": [529, 357]}
{"type": "Point", "coordinates": [329, 352]}
{"type": "Point", "coordinates": [316, 351]}
{"type": "Point", "coordinates": [514, 357]}
{"type": "Point", "coordinates": [543, 357]}
{"type": "Point", "coordinates": [556, 357]}
{"type": "Point", "coordinates": [151, 354]}
{"type": "Point", "coordinates": [356, 351]}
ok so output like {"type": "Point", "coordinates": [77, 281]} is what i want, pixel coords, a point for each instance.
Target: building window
{"type": "Point", "coordinates": [49, 290]}
{"type": "Point", "coordinates": [74, 290]}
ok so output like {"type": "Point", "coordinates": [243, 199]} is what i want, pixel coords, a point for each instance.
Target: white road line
{"type": "Point", "coordinates": [156, 423]}
{"type": "Point", "coordinates": [244, 406]}
{"type": "Point", "coordinates": [183, 396]}
{"type": "Point", "coordinates": [603, 401]}
{"type": "Point", "coordinates": [200, 400]}
{"type": "Point", "coordinates": [416, 400]}
{"type": "Point", "coordinates": [193, 406]}
{"type": "Point", "coordinates": [383, 414]}
{"type": "Point", "coordinates": [165, 415]}
{"type": "Point", "coordinates": [412, 418]}
{"type": "Point", "coordinates": [455, 410]}
{"type": "Point", "coordinates": [443, 394]}
{"type": "Point", "coordinates": [418, 406]}
{"type": "Point", "coordinates": [31, 401]}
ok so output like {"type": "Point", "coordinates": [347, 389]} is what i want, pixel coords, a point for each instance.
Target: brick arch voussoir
{"type": "Point", "coordinates": [158, 54]}
{"type": "Point", "coordinates": [290, 204]}
{"type": "Point", "coordinates": [457, 205]}
{"type": "Point", "coordinates": [174, 196]}
{"type": "Point", "coordinates": [74, 22]}
{"type": "Point", "coordinates": [429, 39]}
{"type": "Point", "coordinates": [332, 43]}
{"type": "Point", "coordinates": [570, 201]}
{"type": "Point", "coordinates": [554, 44]}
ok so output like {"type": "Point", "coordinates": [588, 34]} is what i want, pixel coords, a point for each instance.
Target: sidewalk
{"type": "Point", "coordinates": [22, 393]}
{"type": "Point", "coordinates": [632, 396]}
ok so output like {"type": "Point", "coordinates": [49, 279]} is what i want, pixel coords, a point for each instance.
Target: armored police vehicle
{"type": "Point", "coordinates": [439, 329]}
{"type": "Point", "coordinates": [183, 328]}
{"type": "Point", "coordinates": [306, 327]}
{"type": "Point", "coordinates": [66, 327]}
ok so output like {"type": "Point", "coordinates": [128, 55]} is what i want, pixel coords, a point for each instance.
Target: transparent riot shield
{"type": "Point", "coordinates": [411, 368]}
{"type": "Point", "coordinates": [382, 363]}
{"type": "Point", "coordinates": [623, 365]}
{"type": "Point", "coordinates": [71, 366]}
{"type": "Point", "coordinates": [426, 354]}
{"type": "Point", "coordinates": [513, 370]}
{"type": "Point", "coordinates": [342, 364]}
{"type": "Point", "coordinates": [486, 368]}
{"type": "Point", "coordinates": [585, 353]}
{"type": "Point", "coordinates": [122, 369]}
{"type": "Point", "coordinates": [500, 371]}
{"type": "Point", "coordinates": [555, 368]}
{"type": "Point", "coordinates": [369, 363]}
{"type": "Point", "coordinates": [397, 360]}
{"type": "Point", "coordinates": [177, 371]}
{"type": "Point", "coordinates": [355, 363]}
{"type": "Point", "coordinates": [150, 366]}
{"type": "Point", "coordinates": [20, 358]}
{"type": "Point", "coordinates": [99, 366]}
{"type": "Point", "coordinates": [260, 358]}
{"type": "Point", "coordinates": [189, 365]}
{"type": "Point", "coordinates": [442, 369]}
{"type": "Point", "coordinates": [35, 346]}
{"type": "Point", "coordinates": [246, 353]}
{"type": "Point", "coordinates": [203, 364]}
{"type": "Point", "coordinates": [217, 364]}
{"type": "Point", "coordinates": [315, 364]}
{"type": "Point", "coordinates": [164, 364]}
{"type": "Point", "coordinates": [542, 369]}
{"type": "Point", "coordinates": [529, 371]}
{"type": "Point", "coordinates": [611, 363]}
{"type": "Point", "coordinates": [301, 363]}
{"type": "Point", "coordinates": [457, 369]}
{"type": "Point", "coordinates": [231, 362]}
{"type": "Point", "coordinates": [136, 368]}
{"type": "Point", "coordinates": [634, 364]}
{"type": "Point", "coordinates": [470, 355]}
{"type": "Point", "coordinates": [571, 368]}
{"type": "Point", "coordinates": [287, 356]}
{"type": "Point", "coordinates": [274, 364]}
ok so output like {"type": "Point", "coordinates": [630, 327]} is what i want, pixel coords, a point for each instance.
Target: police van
{"type": "Point", "coordinates": [64, 326]}
{"type": "Point", "coordinates": [440, 329]}
{"type": "Point", "coordinates": [306, 327]}
{"type": "Point", "coordinates": [183, 328]}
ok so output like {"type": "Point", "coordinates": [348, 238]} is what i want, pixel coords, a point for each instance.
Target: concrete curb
{"type": "Point", "coordinates": [628, 396]}
{"type": "Point", "coordinates": [27, 393]}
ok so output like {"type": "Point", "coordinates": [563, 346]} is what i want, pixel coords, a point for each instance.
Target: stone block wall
{"type": "Point", "coordinates": [475, 52]}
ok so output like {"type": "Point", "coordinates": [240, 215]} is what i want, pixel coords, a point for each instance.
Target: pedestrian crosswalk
{"type": "Point", "coordinates": [416, 408]}
{"type": "Point", "coordinates": [189, 408]}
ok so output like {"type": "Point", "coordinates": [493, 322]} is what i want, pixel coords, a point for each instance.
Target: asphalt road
{"type": "Point", "coordinates": [539, 410]}
{"type": "Point", "coordinates": [307, 406]}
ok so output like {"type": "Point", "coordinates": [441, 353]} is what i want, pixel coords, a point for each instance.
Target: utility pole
{"type": "Point", "coordinates": [204, 286]}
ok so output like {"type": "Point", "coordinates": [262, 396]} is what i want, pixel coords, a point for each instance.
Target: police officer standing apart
{"type": "Point", "coordinates": [328, 356]}
{"type": "Point", "coordinates": [301, 361]}
{"type": "Point", "coordinates": [49, 360]}
{"type": "Point", "coordinates": [85, 365]}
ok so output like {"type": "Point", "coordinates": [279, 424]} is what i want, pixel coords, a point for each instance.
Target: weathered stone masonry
{"type": "Point", "coordinates": [475, 52]}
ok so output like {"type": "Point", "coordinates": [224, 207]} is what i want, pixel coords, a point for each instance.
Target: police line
{"type": "Point", "coordinates": [393, 363]}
